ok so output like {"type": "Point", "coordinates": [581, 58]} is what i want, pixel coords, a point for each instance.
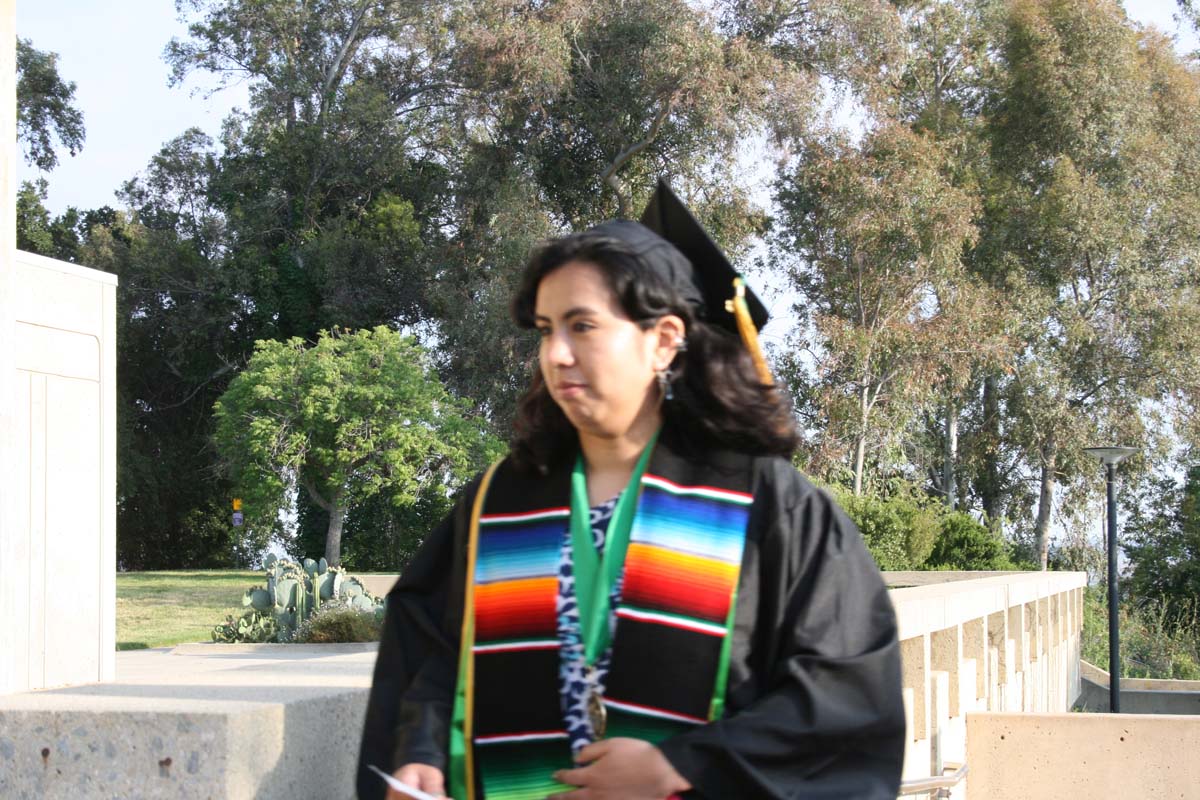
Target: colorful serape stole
{"type": "Point", "coordinates": [670, 657]}
{"type": "Point", "coordinates": [520, 739]}
{"type": "Point", "coordinates": [671, 648]}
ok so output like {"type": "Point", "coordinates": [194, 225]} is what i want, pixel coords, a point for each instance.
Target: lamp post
{"type": "Point", "coordinates": [1110, 457]}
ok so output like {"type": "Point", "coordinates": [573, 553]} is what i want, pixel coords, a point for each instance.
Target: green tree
{"type": "Point", "coordinates": [33, 219]}
{"type": "Point", "coordinates": [1096, 209]}
{"type": "Point", "coordinates": [1190, 11]}
{"type": "Point", "coordinates": [348, 418]}
{"type": "Point", "coordinates": [568, 112]}
{"type": "Point", "coordinates": [323, 182]}
{"type": "Point", "coordinates": [900, 528]}
{"type": "Point", "coordinates": [1162, 542]}
{"type": "Point", "coordinates": [183, 329]}
{"type": "Point", "coordinates": [62, 237]}
{"type": "Point", "coordinates": [46, 114]}
{"type": "Point", "coordinates": [45, 108]}
{"type": "Point", "coordinates": [877, 232]}
{"type": "Point", "coordinates": [965, 543]}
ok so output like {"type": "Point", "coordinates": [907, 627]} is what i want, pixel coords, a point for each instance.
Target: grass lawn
{"type": "Point", "coordinates": [157, 609]}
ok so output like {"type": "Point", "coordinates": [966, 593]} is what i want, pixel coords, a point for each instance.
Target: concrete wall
{"type": "Point", "coordinates": [1054, 756]}
{"type": "Point", "coordinates": [1138, 695]}
{"type": "Point", "coordinates": [1006, 642]}
{"type": "Point", "coordinates": [59, 542]}
{"type": "Point", "coordinates": [8, 247]}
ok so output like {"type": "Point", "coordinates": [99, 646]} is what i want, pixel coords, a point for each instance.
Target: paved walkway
{"type": "Point", "coordinates": [198, 675]}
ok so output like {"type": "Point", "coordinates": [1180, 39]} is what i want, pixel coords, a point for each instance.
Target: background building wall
{"type": "Point", "coordinates": [60, 534]}
{"type": "Point", "coordinates": [9, 596]}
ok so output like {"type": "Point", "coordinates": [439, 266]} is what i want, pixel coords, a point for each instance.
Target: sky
{"type": "Point", "coordinates": [115, 60]}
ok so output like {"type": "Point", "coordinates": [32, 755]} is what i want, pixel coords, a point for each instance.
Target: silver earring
{"type": "Point", "coordinates": [664, 377]}
{"type": "Point", "coordinates": [680, 344]}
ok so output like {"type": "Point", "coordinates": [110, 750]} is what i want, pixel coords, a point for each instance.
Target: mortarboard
{"type": "Point", "coordinates": [674, 244]}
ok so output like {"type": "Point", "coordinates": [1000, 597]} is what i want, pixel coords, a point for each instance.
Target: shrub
{"type": "Point", "coordinates": [899, 531]}
{"type": "Point", "coordinates": [1152, 646]}
{"type": "Point", "coordinates": [337, 622]}
{"type": "Point", "coordinates": [965, 543]}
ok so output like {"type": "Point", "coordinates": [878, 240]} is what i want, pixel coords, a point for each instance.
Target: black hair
{"type": "Point", "coordinates": [719, 400]}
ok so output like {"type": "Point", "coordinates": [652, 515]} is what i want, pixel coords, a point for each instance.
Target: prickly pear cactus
{"type": "Point", "coordinates": [254, 626]}
{"type": "Point", "coordinates": [293, 592]}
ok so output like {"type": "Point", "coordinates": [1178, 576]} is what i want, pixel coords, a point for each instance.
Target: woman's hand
{"type": "Point", "coordinates": [419, 776]}
{"type": "Point", "coordinates": [621, 769]}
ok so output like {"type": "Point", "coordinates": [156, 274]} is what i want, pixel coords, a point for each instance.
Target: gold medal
{"type": "Point", "coordinates": [597, 713]}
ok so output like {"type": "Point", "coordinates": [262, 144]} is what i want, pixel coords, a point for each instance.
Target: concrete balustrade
{"type": "Point", "coordinates": [972, 642]}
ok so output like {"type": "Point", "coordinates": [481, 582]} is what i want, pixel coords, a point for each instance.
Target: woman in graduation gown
{"type": "Point", "coordinates": [644, 599]}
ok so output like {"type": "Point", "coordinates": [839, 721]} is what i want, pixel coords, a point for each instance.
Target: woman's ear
{"type": "Point", "coordinates": [669, 332]}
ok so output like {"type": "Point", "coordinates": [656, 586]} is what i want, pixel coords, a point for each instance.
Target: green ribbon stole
{"type": "Point", "coordinates": [596, 575]}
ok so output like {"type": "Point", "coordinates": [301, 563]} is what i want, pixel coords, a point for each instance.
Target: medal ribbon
{"type": "Point", "coordinates": [596, 575]}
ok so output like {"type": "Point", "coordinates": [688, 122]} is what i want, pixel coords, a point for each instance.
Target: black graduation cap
{"type": "Point", "coordinates": [675, 245]}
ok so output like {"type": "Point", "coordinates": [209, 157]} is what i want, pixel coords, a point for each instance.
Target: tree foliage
{"type": "Point", "coordinates": [963, 543]}
{"type": "Point", "coordinates": [1093, 134]}
{"type": "Point", "coordinates": [900, 529]}
{"type": "Point", "coordinates": [46, 114]}
{"type": "Point", "coordinates": [878, 232]}
{"type": "Point", "coordinates": [1162, 543]}
{"type": "Point", "coordinates": [353, 416]}
{"type": "Point", "coordinates": [994, 267]}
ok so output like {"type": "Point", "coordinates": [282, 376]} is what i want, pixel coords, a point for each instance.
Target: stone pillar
{"type": "Point", "coordinates": [10, 546]}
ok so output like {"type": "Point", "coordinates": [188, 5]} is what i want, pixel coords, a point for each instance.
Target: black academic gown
{"type": "Point", "coordinates": [813, 706]}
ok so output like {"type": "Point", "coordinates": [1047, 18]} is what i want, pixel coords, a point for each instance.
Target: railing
{"type": "Point", "coordinates": [935, 786]}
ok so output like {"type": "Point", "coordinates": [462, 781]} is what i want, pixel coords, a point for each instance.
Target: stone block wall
{"type": "Point", "coordinates": [1053, 756]}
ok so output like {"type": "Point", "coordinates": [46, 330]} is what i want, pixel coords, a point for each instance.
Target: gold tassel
{"type": "Point", "coordinates": [741, 312]}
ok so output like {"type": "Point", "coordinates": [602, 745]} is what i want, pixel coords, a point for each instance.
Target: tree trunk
{"type": "Point", "coordinates": [859, 456]}
{"type": "Point", "coordinates": [949, 485]}
{"type": "Point", "coordinates": [989, 484]}
{"type": "Point", "coordinates": [1046, 500]}
{"type": "Point", "coordinates": [333, 537]}
{"type": "Point", "coordinates": [860, 442]}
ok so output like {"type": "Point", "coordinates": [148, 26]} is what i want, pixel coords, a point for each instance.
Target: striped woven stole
{"type": "Point", "coordinates": [671, 646]}
{"type": "Point", "coordinates": [518, 728]}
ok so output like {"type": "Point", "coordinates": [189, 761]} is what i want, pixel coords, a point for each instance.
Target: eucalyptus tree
{"type": "Point", "coordinates": [940, 88]}
{"type": "Point", "coordinates": [398, 160]}
{"type": "Point", "coordinates": [1094, 132]}
{"type": "Point", "coordinates": [323, 180]}
{"type": "Point", "coordinates": [1162, 542]}
{"type": "Point", "coordinates": [569, 113]}
{"type": "Point", "coordinates": [47, 117]}
{"type": "Point", "coordinates": [877, 232]}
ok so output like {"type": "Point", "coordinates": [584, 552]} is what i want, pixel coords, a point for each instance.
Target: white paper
{"type": "Point", "coordinates": [400, 786]}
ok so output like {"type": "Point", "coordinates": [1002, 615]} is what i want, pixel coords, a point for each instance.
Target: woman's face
{"type": "Point", "coordinates": [598, 364]}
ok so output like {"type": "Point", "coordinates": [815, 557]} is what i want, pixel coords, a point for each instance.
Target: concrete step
{"type": "Point", "coordinates": [196, 721]}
